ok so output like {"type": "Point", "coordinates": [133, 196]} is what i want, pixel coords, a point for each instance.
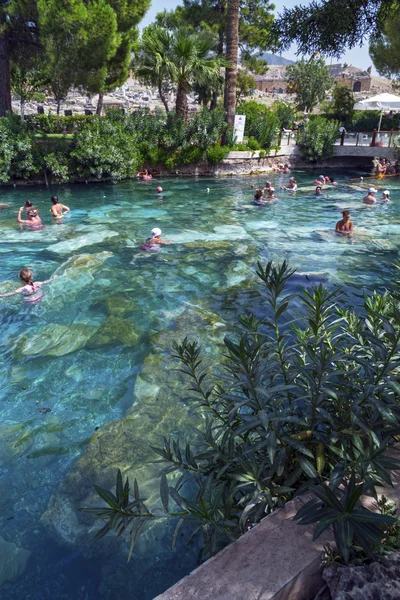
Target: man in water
{"type": "Point", "coordinates": [370, 198]}
{"type": "Point", "coordinates": [292, 186]}
{"type": "Point", "coordinates": [318, 190]}
{"type": "Point", "coordinates": [345, 226]}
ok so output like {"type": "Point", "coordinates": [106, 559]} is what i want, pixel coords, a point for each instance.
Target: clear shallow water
{"type": "Point", "coordinates": [97, 349]}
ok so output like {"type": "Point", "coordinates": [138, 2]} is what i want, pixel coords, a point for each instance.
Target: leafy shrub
{"type": "Point", "coordinates": [311, 406]}
{"type": "Point", "coordinates": [57, 165]}
{"type": "Point", "coordinates": [252, 144]}
{"type": "Point", "coordinates": [217, 153]}
{"type": "Point", "coordinates": [266, 130]}
{"type": "Point", "coordinates": [286, 114]}
{"type": "Point", "coordinates": [317, 138]}
{"type": "Point", "coordinates": [56, 123]}
{"type": "Point", "coordinates": [16, 155]}
{"type": "Point", "coordinates": [106, 149]}
{"type": "Point", "coordinates": [368, 120]}
{"type": "Point", "coordinates": [254, 111]}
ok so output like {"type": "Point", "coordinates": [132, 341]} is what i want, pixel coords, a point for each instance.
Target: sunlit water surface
{"type": "Point", "coordinates": [96, 351]}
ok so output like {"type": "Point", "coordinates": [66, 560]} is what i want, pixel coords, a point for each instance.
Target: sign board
{"type": "Point", "coordinates": [238, 128]}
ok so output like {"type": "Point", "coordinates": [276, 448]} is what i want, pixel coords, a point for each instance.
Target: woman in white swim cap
{"type": "Point", "coordinates": [385, 196]}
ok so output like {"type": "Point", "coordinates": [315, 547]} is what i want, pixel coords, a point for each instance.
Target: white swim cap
{"type": "Point", "coordinates": [386, 192]}
{"type": "Point", "coordinates": [292, 179]}
{"type": "Point", "coordinates": [321, 177]}
{"type": "Point", "coordinates": [372, 191]}
{"type": "Point", "coordinates": [155, 232]}
{"type": "Point", "coordinates": [271, 189]}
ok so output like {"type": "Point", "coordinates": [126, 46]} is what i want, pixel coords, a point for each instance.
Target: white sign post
{"type": "Point", "coordinates": [238, 128]}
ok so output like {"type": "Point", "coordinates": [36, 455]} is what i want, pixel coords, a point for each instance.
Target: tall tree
{"type": "Point", "coordinates": [128, 13]}
{"type": "Point", "coordinates": [330, 26]}
{"type": "Point", "coordinates": [18, 28]}
{"type": "Point", "coordinates": [255, 20]}
{"type": "Point", "coordinates": [151, 63]}
{"type": "Point", "coordinates": [384, 49]}
{"type": "Point", "coordinates": [78, 43]}
{"type": "Point", "coordinates": [310, 80]}
{"type": "Point", "coordinates": [192, 59]}
{"type": "Point", "coordinates": [232, 52]}
{"type": "Point", "coordinates": [27, 76]}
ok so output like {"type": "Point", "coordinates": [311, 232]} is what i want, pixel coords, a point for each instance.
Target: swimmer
{"type": "Point", "coordinates": [154, 241]}
{"type": "Point", "coordinates": [34, 221]}
{"type": "Point", "coordinates": [58, 209]}
{"type": "Point", "coordinates": [28, 205]}
{"type": "Point", "coordinates": [258, 198]}
{"type": "Point", "coordinates": [31, 291]}
{"type": "Point", "coordinates": [345, 226]}
{"type": "Point", "coordinates": [292, 186]}
{"type": "Point", "coordinates": [385, 197]}
{"type": "Point", "coordinates": [271, 194]}
{"type": "Point", "coordinates": [370, 198]}
{"type": "Point", "coordinates": [333, 181]}
{"type": "Point", "coordinates": [320, 180]}
{"type": "Point", "coordinates": [286, 168]}
{"type": "Point", "coordinates": [160, 190]}
{"type": "Point", "coordinates": [318, 190]}
{"type": "Point", "coordinates": [145, 176]}
{"type": "Point", "coordinates": [268, 184]}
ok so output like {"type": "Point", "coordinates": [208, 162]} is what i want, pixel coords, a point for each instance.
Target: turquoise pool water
{"type": "Point", "coordinates": [96, 351]}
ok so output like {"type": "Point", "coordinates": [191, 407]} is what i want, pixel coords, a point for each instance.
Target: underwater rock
{"type": "Point", "coordinates": [120, 306]}
{"type": "Point", "coordinates": [114, 330]}
{"type": "Point", "coordinates": [56, 340]}
{"type": "Point", "coordinates": [73, 244]}
{"type": "Point", "coordinates": [13, 561]}
{"type": "Point", "coordinates": [80, 264]}
{"type": "Point", "coordinates": [158, 409]}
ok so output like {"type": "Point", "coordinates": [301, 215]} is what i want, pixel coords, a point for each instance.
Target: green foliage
{"type": "Point", "coordinates": [16, 156]}
{"type": "Point", "coordinates": [317, 138]}
{"type": "Point", "coordinates": [341, 107]}
{"type": "Point", "coordinates": [367, 120]}
{"type": "Point", "coordinates": [245, 83]}
{"type": "Point", "coordinates": [285, 113]}
{"type": "Point", "coordinates": [49, 123]}
{"type": "Point", "coordinates": [254, 111]}
{"type": "Point", "coordinates": [106, 149]}
{"type": "Point", "coordinates": [217, 153]}
{"type": "Point", "coordinates": [296, 405]}
{"type": "Point", "coordinates": [309, 80]}
{"type": "Point", "coordinates": [310, 403]}
{"type": "Point", "coordinates": [384, 48]}
{"type": "Point", "coordinates": [329, 26]}
{"type": "Point", "coordinates": [252, 144]}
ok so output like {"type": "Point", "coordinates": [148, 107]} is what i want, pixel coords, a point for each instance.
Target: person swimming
{"type": "Point", "coordinates": [145, 175]}
{"type": "Point", "coordinates": [385, 197]}
{"type": "Point", "coordinates": [345, 226]}
{"type": "Point", "coordinates": [271, 194]}
{"type": "Point", "coordinates": [370, 197]}
{"type": "Point", "coordinates": [154, 242]}
{"type": "Point", "coordinates": [320, 180]}
{"type": "Point", "coordinates": [318, 190]}
{"type": "Point", "coordinates": [58, 210]}
{"type": "Point", "coordinates": [34, 221]}
{"type": "Point", "coordinates": [31, 291]}
{"type": "Point", "coordinates": [258, 196]}
{"type": "Point", "coordinates": [292, 185]}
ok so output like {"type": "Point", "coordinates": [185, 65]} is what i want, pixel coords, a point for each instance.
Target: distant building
{"type": "Point", "coordinates": [352, 77]}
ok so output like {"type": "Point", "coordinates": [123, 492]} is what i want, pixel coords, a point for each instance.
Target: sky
{"type": "Point", "coordinates": [358, 57]}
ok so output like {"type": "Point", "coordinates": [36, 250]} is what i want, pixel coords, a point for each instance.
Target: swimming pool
{"type": "Point", "coordinates": [96, 351]}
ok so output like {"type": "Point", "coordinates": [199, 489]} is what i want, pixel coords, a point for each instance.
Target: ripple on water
{"type": "Point", "coordinates": [96, 351]}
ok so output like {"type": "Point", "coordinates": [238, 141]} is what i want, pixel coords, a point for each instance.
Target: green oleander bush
{"type": "Point", "coordinates": [306, 398]}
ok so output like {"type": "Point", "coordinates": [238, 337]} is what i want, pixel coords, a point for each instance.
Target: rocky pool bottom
{"type": "Point", "coordinates": [97, 352]}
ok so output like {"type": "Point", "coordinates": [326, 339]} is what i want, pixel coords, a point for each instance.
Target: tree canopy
{"type": "Point", "coordinates": [329, 26]}
{"type": "Point", "coordinates": [384, 49]}
{"type": "Point", "coordinates": [310, 80]}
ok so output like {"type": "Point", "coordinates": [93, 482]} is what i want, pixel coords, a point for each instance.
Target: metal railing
{"type": "Point", "coordinates": [375, 138]}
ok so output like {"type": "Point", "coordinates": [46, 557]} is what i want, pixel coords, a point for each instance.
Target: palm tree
{"type": "Point", "coordinates": [232, 50]}
{"type": "Point", "coordinates": [193, 59]}
{"type": "Point", "coordinates": [151, 63]}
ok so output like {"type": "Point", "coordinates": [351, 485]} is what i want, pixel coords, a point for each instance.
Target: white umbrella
{"type": "Point", "coordinates": [380, 102]}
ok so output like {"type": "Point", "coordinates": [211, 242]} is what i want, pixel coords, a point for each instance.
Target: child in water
{"type": "Point", "coordinates": [154, 242]}
{"type": "Point", "coordinates": [31, 291]}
